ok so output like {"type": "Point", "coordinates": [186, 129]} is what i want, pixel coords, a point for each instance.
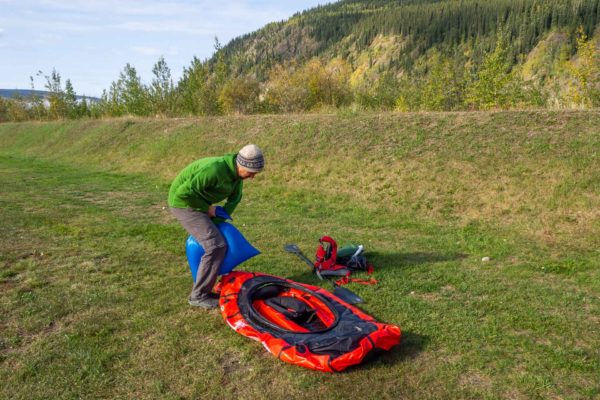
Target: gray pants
{"type": "Point", "coordinates": [199, 225]}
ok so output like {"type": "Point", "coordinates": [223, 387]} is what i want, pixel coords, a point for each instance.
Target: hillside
{"type": "Point", "coordinates": [551, 182]}
{"type": "Point", "coordinates": [355, 29]}
{"type": "Point", "coordinates": [94, 279]}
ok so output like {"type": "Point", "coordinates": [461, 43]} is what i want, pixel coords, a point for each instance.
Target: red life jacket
{"type": "Point", "coordinates": [326, 257]}
{"type": "Point", "coordinates": [326, 264]}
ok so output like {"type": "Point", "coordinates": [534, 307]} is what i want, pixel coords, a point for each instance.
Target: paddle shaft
{"type": "Point", "coordinates": [343, 293]}
{"type": "Point", "coordinates": [305, 259]}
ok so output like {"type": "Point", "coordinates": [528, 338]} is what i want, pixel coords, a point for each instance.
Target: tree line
{"type": "Point", "coordinates": [436, 82]}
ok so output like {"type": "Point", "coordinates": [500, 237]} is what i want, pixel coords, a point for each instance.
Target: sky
{"type": "Point", "coordinates": [90, 41]}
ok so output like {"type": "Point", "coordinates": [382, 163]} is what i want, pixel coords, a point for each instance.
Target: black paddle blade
{"type": "Point", "coordinates": [294, 249]}
{"type": "Point", "coordinates": [347, 295]}
{"type": "Point", "coordinates": [291, 248]}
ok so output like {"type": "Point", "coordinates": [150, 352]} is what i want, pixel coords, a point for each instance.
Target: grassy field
{"type": "Point", "coordinates": [94, 281]}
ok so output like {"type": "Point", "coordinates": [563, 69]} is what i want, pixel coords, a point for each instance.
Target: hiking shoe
{"type": "Point", "coordinates": [207, 303]}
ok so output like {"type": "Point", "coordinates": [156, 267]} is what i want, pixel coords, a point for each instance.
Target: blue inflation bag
{"type": "Point", "coordinates": [238, 248]}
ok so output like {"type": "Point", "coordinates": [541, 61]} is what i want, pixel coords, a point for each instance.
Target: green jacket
{"type": "Point", "coordinates": [205, 182]}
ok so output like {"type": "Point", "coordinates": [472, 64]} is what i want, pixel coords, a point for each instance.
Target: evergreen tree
{"type": "Point", "coordinates": [131, 93]}
{"type": "Point", "coordinates": [70, 98]}
{"type": "Point", "coordinates": [189, 86]}
{"type": "Point", "coordinates": [221, 66]}
{"type": "Point", "coordinates": [161, 90]}
{"type": "Point", "coordinates": [409, 95]}
{"type": "Point", "coordinates": [111, 102]}
{"type": "Point", "coordinates": [83, 109]}
{"type": "Point", "coordinates": [57, 107]}
{"type": "Point", "coordinates": [487, 89]}
{"type": "Point", "coordinates": [197, 90]}
{"type": "Point", "coordinates": [4, 117]}
{"type": "Point", "coordinates": [379, 92]}
{"type": "Point", "coordinates": [442, 87]}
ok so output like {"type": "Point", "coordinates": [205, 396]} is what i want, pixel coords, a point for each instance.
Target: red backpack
{"type": "Point", "coordinates": [327, 263]}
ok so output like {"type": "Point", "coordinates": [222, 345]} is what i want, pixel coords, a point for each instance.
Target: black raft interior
{"type": "Point", "coordinates": [308, 320]}
{"type": "Point", "coordinates": [287, 307]}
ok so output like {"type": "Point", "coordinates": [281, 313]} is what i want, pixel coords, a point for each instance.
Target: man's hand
{"type": "Point", "coordinates": [212, 211]}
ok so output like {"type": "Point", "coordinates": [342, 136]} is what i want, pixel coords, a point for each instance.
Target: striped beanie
{"type": "Point", "coordinates": [251, 158]}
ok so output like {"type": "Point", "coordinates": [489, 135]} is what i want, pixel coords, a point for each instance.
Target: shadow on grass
{"type": "Point", "coordinates": [389, 260]}
{"type": "Point", "coordinates": [411, 345]}
{"type": "Point", "coordinates": [400, 260]}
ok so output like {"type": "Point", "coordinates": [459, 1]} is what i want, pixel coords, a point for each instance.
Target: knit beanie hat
{"type": "Point", "coordinates": [251, 158]}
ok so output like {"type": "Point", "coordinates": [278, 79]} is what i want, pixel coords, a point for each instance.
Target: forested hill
{"type": "Point", "coordinates": [402, 55]}
{"type": "Point", "coordinates": [395, 34]}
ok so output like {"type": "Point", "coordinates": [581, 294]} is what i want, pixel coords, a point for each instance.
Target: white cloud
{"type": "Point", "coordinates": [154, 51]}
{"type": "Point", "coordinates": [55, 25]}
{"type": "Point", "coordinates": [165, 27]}
{"type": "Point", "coordinates": [128, 7]}
{"type": "Point", "coordinates": [225, 19]}
{"type": "Point", "coordinates": [50, 37]}
{"type": "Point", "coordinates": [147, 51]}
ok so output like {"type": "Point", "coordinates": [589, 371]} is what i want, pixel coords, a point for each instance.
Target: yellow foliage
{"type": "Point", "coordinates": [584, 90]}
{"type": "Point", "coordinates": [380, 52]}
{"type": "Point", "coordinates": [293, 88]}
{"type": "Point", "coordinates": [239, 95]}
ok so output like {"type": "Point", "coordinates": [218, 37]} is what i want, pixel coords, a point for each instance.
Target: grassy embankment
{"type": "Point", "coordinates": [93, 279]}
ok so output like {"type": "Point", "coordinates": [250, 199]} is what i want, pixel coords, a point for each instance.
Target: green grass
{"type": "Point", "coordinates": [93, 277]}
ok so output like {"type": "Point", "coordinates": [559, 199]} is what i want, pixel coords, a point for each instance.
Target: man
{"type": "Point", "coordinates": [192, 196]}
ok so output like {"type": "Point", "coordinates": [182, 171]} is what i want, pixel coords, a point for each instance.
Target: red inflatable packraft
{"type": "Point", "coordinates": [302, 324]}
